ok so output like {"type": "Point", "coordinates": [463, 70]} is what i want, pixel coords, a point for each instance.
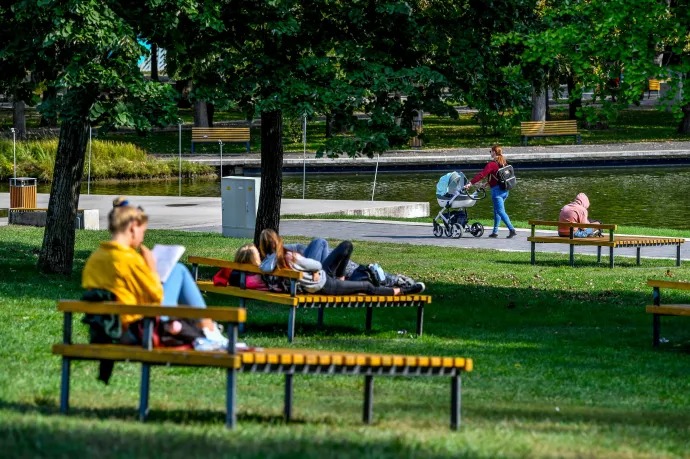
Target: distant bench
{"type": "Point", "coordinates": [281, 361]}
{"type": "Point", "coordinates": [611, 241]}
{"type": "Point", "coordinates": [653, 85]}
{"type": "Point", "coordinates": [658, 309]}
{"type": "Point", "coordinates": [534, 129]}
{"type": "Point", "coordinates": [295, 301]}
{"type": "Point", "coordinates": [227, 135]}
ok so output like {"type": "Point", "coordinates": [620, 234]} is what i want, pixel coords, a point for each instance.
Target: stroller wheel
{"type": "Point", "coordinates": [456, 231]}
{"type": "Point", "coordinates": [477, 229]}
{"type": "Point", "coordinates": [438, 230]}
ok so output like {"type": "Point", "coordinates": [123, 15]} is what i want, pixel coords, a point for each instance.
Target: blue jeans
{"type": "Point", "coordinates": [584, 232]}
{"type": "Point", "coordinates": [317, 250]}
{"type": "Point", "coordinates": [498, 197]}
{"type": "Point", "coordinates": [180, 288]}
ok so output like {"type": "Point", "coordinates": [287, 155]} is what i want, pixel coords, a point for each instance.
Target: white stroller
{"type": "Point", "coordinates": [452, 220]}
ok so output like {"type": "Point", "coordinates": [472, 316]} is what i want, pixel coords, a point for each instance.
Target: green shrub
{"type": "Point", "coordinates": [109, 160]}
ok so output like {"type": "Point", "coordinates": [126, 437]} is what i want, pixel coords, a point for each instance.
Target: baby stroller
{"type": "Point", "coordinates": [452, 220]}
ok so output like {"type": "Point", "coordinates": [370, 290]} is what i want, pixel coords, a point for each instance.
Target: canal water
{"type": "Point", "coordinates": [652, 197]}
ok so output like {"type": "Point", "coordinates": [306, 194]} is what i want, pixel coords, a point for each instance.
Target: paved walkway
{"type": "Point", "coordinates": [421, 234]}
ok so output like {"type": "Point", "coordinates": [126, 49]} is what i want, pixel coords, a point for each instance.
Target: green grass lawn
{"type": "Point", "coordinates": [632, 126]}
{"type": "Point", "coordinates": [564, 366]}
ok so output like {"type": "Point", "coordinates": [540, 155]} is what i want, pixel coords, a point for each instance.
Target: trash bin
{"type": "Point", "coordinates": [22, 193]}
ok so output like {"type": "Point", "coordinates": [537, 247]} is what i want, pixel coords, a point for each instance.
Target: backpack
{"type": "Point", "coordinates": [506, 177]}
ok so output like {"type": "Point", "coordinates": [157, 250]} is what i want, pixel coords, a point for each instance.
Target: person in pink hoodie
{"type": "Point", "coordinates": [576, 212]}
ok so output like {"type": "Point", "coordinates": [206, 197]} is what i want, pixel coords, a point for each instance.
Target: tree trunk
{"type": "Point", "coordinates": [183, 88]}
{"type": "Point", "coordinates": [538, 105]}
{"type": "Point", "coordinates": [268, 215]}
{"type": "Point", "coordinates": [200, 114]}
{"type": "Point", "coordinates": [684, 127]}
{"type": "Point", "coordinates": [154, 62]}
{"type": "Point", "coordinates": [57, 253]}
{"type": "Point", "coordinates": [19, 119]}
{"type": "Point", "coordinates": [210, 112]}
{"type": "Point", "coordinates": [48, 96]}
{"type": "Point", "coordinates": [329, 127]}
{"type": "Point", "coordinates": [576, 103]}
{"type": "Point", "coordinates": [547, 111]}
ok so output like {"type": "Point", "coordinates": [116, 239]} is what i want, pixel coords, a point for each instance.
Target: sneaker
{"type": "Point", "coordinates": [597, 233]}
{"type": "Point", "coordinates": [419, 287]}
{"type": "Point", "coordinates": [512, 234]}
{"type": "Point", "coordinates": [216, 336]}
{"type": "Point", "coordinates": [205, 344]}
{"type": "Point", "coordinates": [493, 235]}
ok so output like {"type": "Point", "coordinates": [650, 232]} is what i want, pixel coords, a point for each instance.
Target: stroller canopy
{"type": "Point", "coordinates": [450, 183]}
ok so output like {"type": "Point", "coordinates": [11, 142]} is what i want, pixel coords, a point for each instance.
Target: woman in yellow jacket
{"type": "Point", "coordinates": [125, 267]}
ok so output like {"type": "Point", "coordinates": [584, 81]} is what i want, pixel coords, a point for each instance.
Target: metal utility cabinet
{"type": "Point", "coordinates": [240, 201]}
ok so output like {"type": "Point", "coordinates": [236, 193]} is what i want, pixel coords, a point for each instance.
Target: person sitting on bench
{"type": "Point", "coordinates": [125, 269]}
{"type": "Point", "coordinates": [327, 277]}
{"type": "Point", "coordinates": [577, 212]}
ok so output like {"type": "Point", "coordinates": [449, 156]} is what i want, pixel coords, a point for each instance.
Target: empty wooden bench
{"type": "Point", "coordinates": [653, 85]}
{"type": "Point", "coordinates": [534, 129]}
{"type": "Point", "coordinates": [304, 301]}
{"type": "Point", "coordinates": [227, 135]}
{"type": "Point", "coordinates": [611, 240]}
{"type": "Point", "coordinates": [289, 362]}
{"type": "Point", "coordinates": [658, 309]}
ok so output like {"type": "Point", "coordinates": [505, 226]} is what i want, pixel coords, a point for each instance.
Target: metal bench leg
{"type": "Point", "coordinates": [370, 313]}
{"type": "Point", "coordinates": [291, 325]}
{"type": "Point", "coordinates": [455, 401]}
{"type": "Point", "coordinates": [598, 254]}
{"type": "Point", "coordinates": [637, 258]}
{"type": "Point", "coordinates": [572, 255]}
{"type": "Point", "coordinates": [420, 319]}
{"type": "Point", "coordinates": [195, 272]}
{"type": "Point", "coordinates": [288, 397]}
{"type": "Point", "coordinates": [678, 255]}
{"type": "Point", "coordinates": [192, 147]}
{"type": "Point", "coordinates": [368, 399]}
{"type": "Point", "coordinates": [656, 329]}
{"type": "Point", "coordinates": [533, 259]}
{"type": "Point", "coordinates": [231, 388]}
{"type": "Point", "coordinates": [248, 149]}
{"type": "Point", "coordinates": [144, 392]}
{"type": "Point", "coordinates": [64, 386]}
{"type": "Point", "coordinates": [319, 320]}
{"type": "Point", "coordinates": [611, 257]}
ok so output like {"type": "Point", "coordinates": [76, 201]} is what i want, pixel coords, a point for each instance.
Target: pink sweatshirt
{"type": "Point", "coordinates": [575, 212]}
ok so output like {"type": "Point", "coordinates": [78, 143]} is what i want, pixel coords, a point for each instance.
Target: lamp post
{"type": "Point", "coordinates": [179, 167]}
{"type": "Point", "coordinates": [220, 142]}
{"type": "Point", "coordinates": [304, 162]}
{"type": "Point", "coordinates": [376, 172]}
{"type": "Point", "coordinates": [14, 147]}
{"type": "Point", "coordinates": [88, 179]}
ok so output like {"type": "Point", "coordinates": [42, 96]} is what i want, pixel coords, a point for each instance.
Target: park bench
{"type": "Point", "coordinates": [653, 85]}
{"type": "Point", "coordinates": [288, 362]}
{"type": "Point", "coordinates": [534, 129]}
{"type": "Point", "coordinates": [658, 309]}
{"type": "Point", "coordinates": [303, 301]}
{"type": "Point", "coordinates": [227, 135]}
{"type": "Point", "coordinates": [611, 241]}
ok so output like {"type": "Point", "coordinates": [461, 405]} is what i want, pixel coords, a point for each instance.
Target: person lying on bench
{"type": "Point", "coordinates": [327, 277]}
{"type": "Point", "coordinates": [577, 212]}
{"type": "Point", "coordinates": [247, 254]}
{"type": "Point", "coordinates": [318, 250]}
{"type": "Point", "coordinates": [125, 269]}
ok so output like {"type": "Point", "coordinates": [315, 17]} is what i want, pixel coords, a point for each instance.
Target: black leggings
{"type": "Point", "coordinates": [335, 264]}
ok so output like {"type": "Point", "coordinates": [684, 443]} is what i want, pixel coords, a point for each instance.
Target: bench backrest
{"type": "Point", "coordinates": [218, 263]}
{"type": "Point", "coordinates": [668, 284]}
{"type": "Point", "coordinates": [534, 128]}
{"type": "Point", "coordinates": [574, 225]}
{"type": "Point", "coordinates": [228, 315]}
{"type": "Point", "coordinates": [654, 85]}
{"type": "Point", "coordinates": [224, 134]}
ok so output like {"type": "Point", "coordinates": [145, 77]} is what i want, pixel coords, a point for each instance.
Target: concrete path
{"type": "Point", "coordinates": [421, 234]}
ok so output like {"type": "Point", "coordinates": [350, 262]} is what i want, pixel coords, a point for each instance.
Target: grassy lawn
{"type": "Point", "coordinates": [488, 224]}
{"type": "Point", "coordinates": [632, 126]}
{"type": "Point", "coordinates": [564, 367]}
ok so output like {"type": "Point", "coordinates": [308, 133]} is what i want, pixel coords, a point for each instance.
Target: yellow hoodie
{"type": "Point", "coordinates": [122, 271]}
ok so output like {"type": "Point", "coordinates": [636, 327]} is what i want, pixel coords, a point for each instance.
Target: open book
{"type": "Point", "coordinates": [166, 257]}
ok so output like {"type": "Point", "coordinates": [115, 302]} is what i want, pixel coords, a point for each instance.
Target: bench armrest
{"type": "Point", "coordinates": [231, 315]}
{"type": "Point", "coordinates": [573, 225]}
{"type": "Point", "coordinates": [668, 284]}
{"type": "Point", "coordinates": [218, 263]}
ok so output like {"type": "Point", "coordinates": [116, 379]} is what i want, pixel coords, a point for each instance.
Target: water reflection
{"type": "Point", "coordinates": [654, 197]}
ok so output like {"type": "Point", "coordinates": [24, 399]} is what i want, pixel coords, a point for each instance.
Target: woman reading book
{"type": "Point", "coordinates": [126, 269]}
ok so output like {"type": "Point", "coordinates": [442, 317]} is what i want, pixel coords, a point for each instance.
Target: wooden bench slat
{"type": "Point", "coordinates": [602, 226]}
{"type": "Point", "coordinates": [232, 315]}
{"type": "Point", "coordinates": [599, 241]}
{"type": "Point", "coordinates": [279, 298]}
{"type": "Point", "coordinates": [669, 284]}
{"type": "Point", "coordinates": [137, 354]}
{"type": "Point", "coordinates": [219, 263]}
{"type": "Point", "coordinates": [670, 310]}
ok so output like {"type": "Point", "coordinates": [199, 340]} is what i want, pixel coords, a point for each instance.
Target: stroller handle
{"type": "Point", "coordinates": [481, 194]}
